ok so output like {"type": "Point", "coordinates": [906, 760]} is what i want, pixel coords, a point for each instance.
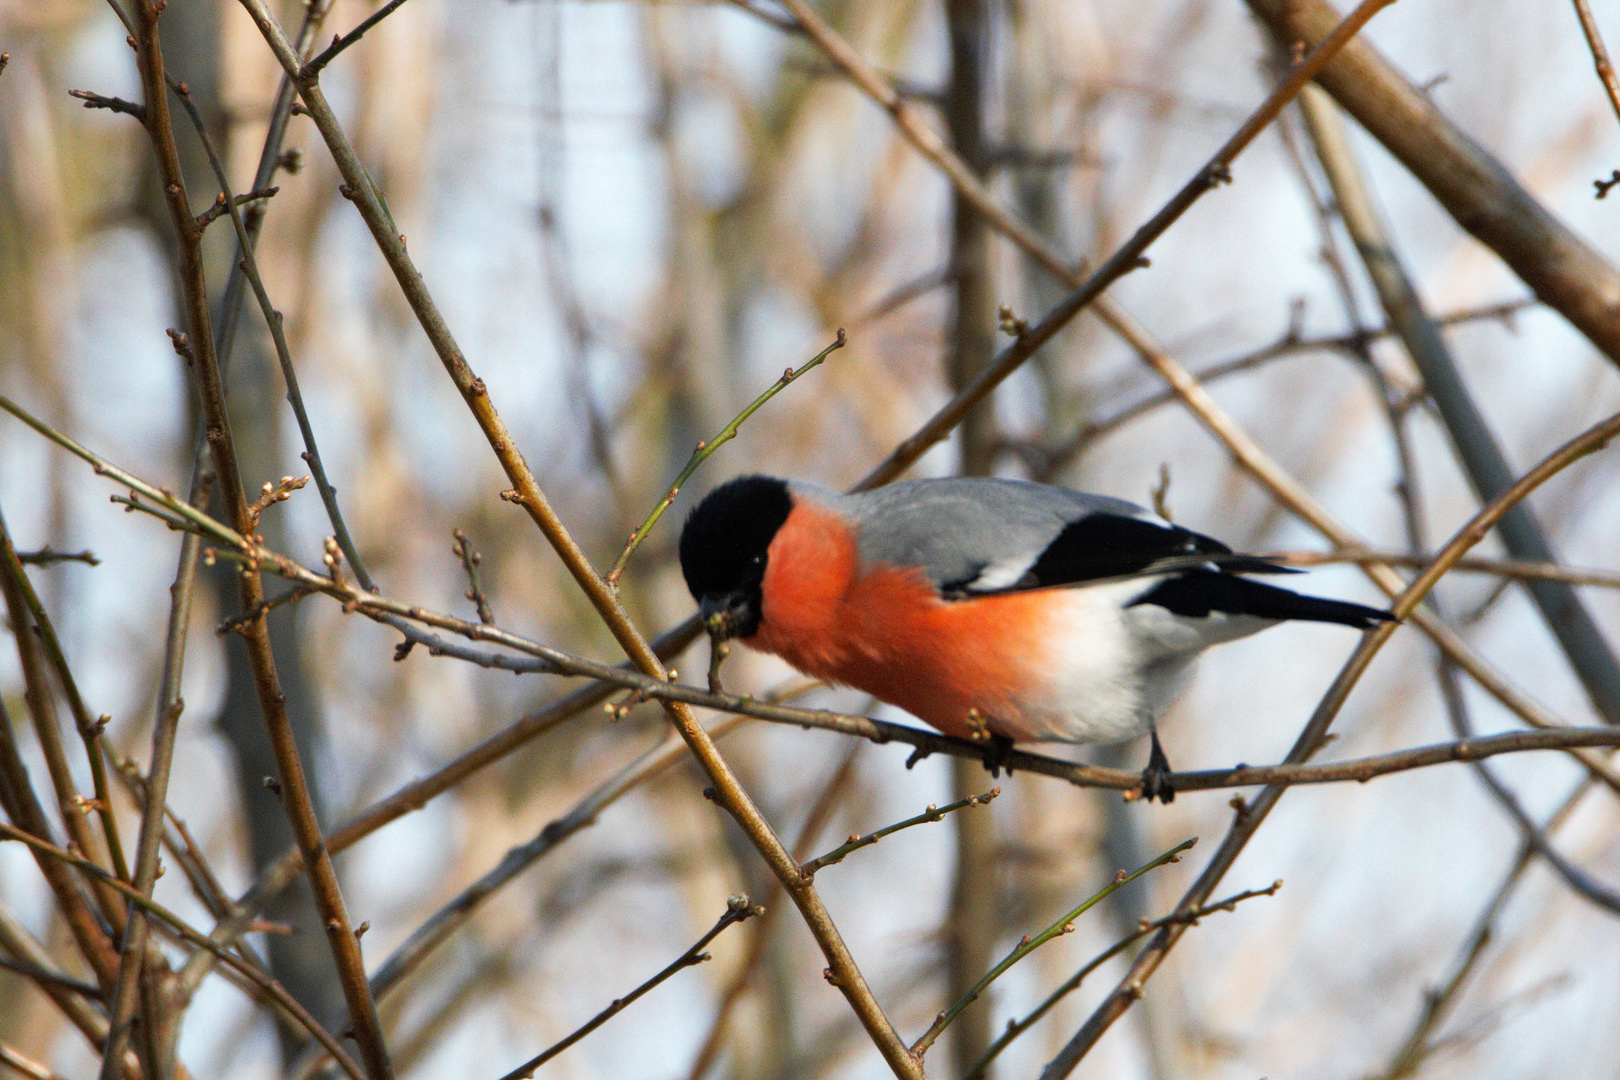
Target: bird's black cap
{"type": "Point", "coordinates": [724, 543]}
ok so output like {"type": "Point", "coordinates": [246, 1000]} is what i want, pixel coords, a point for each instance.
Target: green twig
{"type": "Point", "coordinates": [704, 449]}
{"type": "Point", "coordinates": [933, 813]}
{"type": "Point", "coordinates": [1030, 944]}
{"type": "Point", "coordinates": [737, 909]}
{"type": "Point", "coordinates": [167, 499]}
{"type": "Point", "coordinates": [1016, 1028]}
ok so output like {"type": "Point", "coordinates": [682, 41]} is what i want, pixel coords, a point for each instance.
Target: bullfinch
{"type": "Point", "coordinates": [993, 609]}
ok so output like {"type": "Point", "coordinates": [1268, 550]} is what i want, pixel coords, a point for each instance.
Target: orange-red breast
{"type": "Point", "coordinates": [1037, 612]}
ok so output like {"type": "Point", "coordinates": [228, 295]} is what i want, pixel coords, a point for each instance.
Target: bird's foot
{"type": "Point", "coordinates": [997, 749]}
{"type": "Point", "coordinates": [1156, 777]}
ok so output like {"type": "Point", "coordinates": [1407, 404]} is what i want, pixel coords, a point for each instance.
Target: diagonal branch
{"type": "Point", "coordinates": [1566, 272]}
{"type": "Point", "coordinates": [737, 909]}
{"type": "Point", "coordinates": [527, 493]}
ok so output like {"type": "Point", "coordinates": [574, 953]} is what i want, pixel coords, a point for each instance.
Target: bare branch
{"type": "Point", "coordinates": [705, 449]}
{"type": "Point", "coordinates": [737, 909]}
{"type": "Point", "coordinates": [933, 813]}
{"type": "Point", "coordinates": [1063, 925]}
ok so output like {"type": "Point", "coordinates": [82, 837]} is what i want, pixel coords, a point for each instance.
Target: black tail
{"type": "Point", "coordinates": [1199, 592]}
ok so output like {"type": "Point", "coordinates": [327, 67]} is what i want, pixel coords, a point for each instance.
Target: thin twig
{"type": "Point", "coordinates": [268, 985]}
{"type": "Point", "coordinates": [209, 382]}
{"type": "Point", "coordinates": [46, 557]}
{"type": "Point", "coordinates": [1480, 564]}
{"type": "Point", "coordinates": [933, 813]}
{"type": "Point", "coordinates": [111, 104]}
{"type": "Point", "coordinates": [737, 909]}
{"type": "Point", "coordinates": [1600, 55]}
{"type": "Point", "coordinates": [463, 549]}
{"type": "Point", "coordinates": [705, 449]}
{"type": "Point", "coordinates": [1017, 1027]}
{"type": "Point", "coordinates": [218, 210]}
{"type": "Point", "coordinates": [312, 69]}
{"type": "Point", "coordinates": [527, 493]}
{"type": "Point", "coordinates": [1027, 945]}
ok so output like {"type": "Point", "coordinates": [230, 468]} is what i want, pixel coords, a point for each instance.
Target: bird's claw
{"type": "Point", "coordinates": [1156, 777]}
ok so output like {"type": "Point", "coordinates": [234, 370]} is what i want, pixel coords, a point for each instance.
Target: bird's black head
{"type": "Point", "coordinates": [723, 548]}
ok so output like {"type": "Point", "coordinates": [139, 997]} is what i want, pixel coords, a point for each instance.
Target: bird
{"type": "Point", "coordinates": [994, 609]}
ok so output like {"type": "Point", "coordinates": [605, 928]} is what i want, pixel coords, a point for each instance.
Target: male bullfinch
{"type": "Point", "coordinates": [984, 606]}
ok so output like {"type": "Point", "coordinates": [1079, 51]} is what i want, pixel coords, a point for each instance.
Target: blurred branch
{"type": "Point", "coordinates": [1017, 1027]}
{"type": "Point", "coordinates": [46, 557]}
{"type": "Point", "coordinates": [1046, 461]}
{"type": "Point", "coordinates": [264, 982]}
{"type": "Point", "coordinates": [737, 910]}
{"type": "Point", "coordinates": [23, 807]}
{"type": "Point", "coordinates": [1027, 945]}
{"type": "Point", "coordinates": [1437, 1003]}
{"type": "Point", "coordinates": [24, 947]}
{"type": "Point", "coordinates": [23, 1065]}
{"type": "Point", "coordinates": [453, 915]}
{"type": "Point", "coordinates": [705, 449]}
{"type": "Point", "coordinates": [1509, 568]}
{"type": "Point", "coordinates": [1487, 467]}
{"type": "Point", "coordinates": [1567, 273]}
{"type": "Point", "coordinates": [933, 813]}
{"type": "Point", "coordinates": [90, 729]}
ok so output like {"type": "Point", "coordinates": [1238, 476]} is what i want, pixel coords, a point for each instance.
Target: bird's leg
{"type": "Point", "coordinates": [997, 748]}
{"type": "Point", "coordinates": [1156, 777]}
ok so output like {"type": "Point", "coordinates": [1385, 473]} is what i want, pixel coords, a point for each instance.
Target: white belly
{"type": "Point", "coordinates": [1112, 670]}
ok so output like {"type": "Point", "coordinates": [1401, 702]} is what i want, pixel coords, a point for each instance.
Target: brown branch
{"type": "Point", "coordinates": [527, 493]}
{"type": "Point", "coordinates": [264, 982]}
{"type": "Point", "coordinates": [218, 210]}
{"type": "Point", "coordinates": [1250, 816]}
{"type": "Point", "coordinates": [1509, 568]}
{"type": "Point", "coordinates": [312, 70]}
{"type": "Point", "coordinates": [296, 798]}
{"type": "Point", "coordinates": [16, 940]}
{"type": "Point", "coordinates": [1600, 55]}
{"type": "Point", "coordinates": [1566, 272]}
{"type": "Point", "coordinates": [111, 104]}
{"type": "Point", "coordinates": [89, 728]}
{"type": "Point", "coordinates": [463, 550]}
